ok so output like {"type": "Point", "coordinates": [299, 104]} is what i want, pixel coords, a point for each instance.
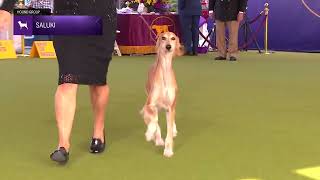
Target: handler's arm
{"type": "Point", "coordinates": [212, 3]}
{"type": "Point", "coordinates": [5, 17]}
{"type": "Point", "coordinates": [7, 5]}
{"type": "Point", "coordinates": [243, 5]}
{"type": "Point", "coordinates": [181, 4]}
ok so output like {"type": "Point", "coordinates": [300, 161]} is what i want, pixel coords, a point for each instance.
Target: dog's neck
{"type": "Point", "coordinates": [165, 61]}
{"type": "Point", "coordinates": [164, 64]}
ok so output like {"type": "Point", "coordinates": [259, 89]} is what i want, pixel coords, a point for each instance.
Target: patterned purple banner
{"type": "Point", "coordinates": [294, 25]}
{"type": "Point", "coordinates": [58, 25]}
{"type": "Point", "coordinates": [141, 30]}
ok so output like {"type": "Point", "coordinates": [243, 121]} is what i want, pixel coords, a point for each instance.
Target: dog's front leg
{"type": "Point", "coordinates": [153, 130]}
{"type": "Point", "coordinates": [151, 116]}
{"type": "Point", "coordinates": [175, 131]}
{"type": "Point", "coordinates": [168, 151]}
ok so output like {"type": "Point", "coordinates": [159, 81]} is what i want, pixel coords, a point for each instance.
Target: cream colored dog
{"type": "Point", "coordinates": [161, 91]}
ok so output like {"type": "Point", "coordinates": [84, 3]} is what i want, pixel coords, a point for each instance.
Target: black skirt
{"type": "Point", "coordinates": [85, 59]}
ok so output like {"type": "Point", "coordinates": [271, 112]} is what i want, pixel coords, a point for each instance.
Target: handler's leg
{"type": "Point", "coordinates": [233, 27]}
{"type": "Point", "coordinates": [65, 106]}
{"type": "Point", "coordinates": [99, 100]}
{"type": "Point", "coordinates": [195, 34]}
{"type": "Point", "coordinates": [221, 41]}
{"type": "Point", "coordinates": [186, 21]}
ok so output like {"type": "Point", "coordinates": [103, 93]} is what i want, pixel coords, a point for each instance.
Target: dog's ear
{"type": "Point", "coordinates": [179, 50]}
{"type": "Point", "coordinates": [159, 38]}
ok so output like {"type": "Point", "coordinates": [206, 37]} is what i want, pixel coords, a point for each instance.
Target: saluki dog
{"type": "Point", "coordinates": [161, 89]}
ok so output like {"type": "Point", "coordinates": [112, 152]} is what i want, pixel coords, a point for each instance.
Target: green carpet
{"type": "Point", "coordinates": [255, 118]}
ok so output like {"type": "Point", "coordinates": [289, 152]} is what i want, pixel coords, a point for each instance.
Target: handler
{"type": "Point", "coordinates": [83, 60]}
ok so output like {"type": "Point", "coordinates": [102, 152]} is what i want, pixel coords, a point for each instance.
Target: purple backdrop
{"type": "Point", "coordinates": [292, 27]}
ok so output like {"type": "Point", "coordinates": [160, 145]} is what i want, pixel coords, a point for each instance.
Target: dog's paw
{"type": "Point", "coordinates": [149, 136]}
{"type": "Point", "coordinates": [151, 131]}
{"type": "Point", "coordinates": [159, 142]}
{"type": "Point", "coordinates": [168, 152]}
{"type": "Point", "coordinates": [175, 133]}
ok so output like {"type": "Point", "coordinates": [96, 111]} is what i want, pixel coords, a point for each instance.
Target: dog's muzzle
{"type": "Point", "coordinates": [168, 47]}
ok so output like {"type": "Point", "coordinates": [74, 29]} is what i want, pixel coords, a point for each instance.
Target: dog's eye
{"type": "Point", "coordinates": [164, 38]}
{"type": "Point", "coordinates": [173, 38]}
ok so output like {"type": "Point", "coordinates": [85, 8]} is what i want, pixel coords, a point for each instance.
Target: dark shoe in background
{"type": "Point", "coordinates": [195, 53]}
{"type": "Point", "coordinates": [189, 54]}
{"type": "Point", "coordinates": [232, 58]}
{"type": "Point", "coordinates": [220, 58]}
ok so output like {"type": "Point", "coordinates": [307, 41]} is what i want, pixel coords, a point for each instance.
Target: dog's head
{"type": "Point", "coordinates": [169, 43]}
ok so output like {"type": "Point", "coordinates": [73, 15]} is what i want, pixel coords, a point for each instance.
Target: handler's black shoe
{"type": "Point", "coordinates": [188, 54]}
{"type": "Point", "coordinates": [232, 58]}
{"type": "Point", "coordinates": [97, 146]}
{"type": "Point", "coordinates": [61, 156]}
{"type": "Point", "coordinates": [220, 58]}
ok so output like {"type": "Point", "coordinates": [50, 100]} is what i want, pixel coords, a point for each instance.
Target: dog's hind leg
{"type": "Point", "coordinates": [158, 139]}
{"type": "Point", "coordinates": [168, 151]}
{"type": "Point", "coordinates": [175, 131]}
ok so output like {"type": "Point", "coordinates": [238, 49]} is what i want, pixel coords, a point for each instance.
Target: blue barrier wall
{"type": "Point", "coordinates": [294, 25]}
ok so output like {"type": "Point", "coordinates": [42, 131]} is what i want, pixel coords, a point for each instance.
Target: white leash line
{"type": "Point", "coordinates": [311, 10]}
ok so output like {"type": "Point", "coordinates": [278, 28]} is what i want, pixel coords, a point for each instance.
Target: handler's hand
{"type": "Point", "coordinates": [211, 15]}
{"type": "Point", "coordinates": [5, 18]}
{"type": "Point", "coordinates": [240, 17]}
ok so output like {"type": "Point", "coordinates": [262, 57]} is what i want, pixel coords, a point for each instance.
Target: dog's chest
{"type": "Point", "coordinates": [166, 94]}
{"type": "Point", "coordinates": [165, 98]}
{"type": "Point", "coordinates": [163, 85]}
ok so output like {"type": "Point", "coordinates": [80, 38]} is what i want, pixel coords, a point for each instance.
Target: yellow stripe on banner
{"type": "Point", "coordinates": [137, 49]}
{"type": "Point", "coordinates": [250, 179]}
{"type": "Point", "coordinates": [7, 50]}
{"type": "Point", "coordinates": [312, 172]}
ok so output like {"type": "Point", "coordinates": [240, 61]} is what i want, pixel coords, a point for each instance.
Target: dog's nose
{"type": "Point", "coordinates": [168, 47]}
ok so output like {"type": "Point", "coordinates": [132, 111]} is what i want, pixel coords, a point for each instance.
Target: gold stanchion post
{"type": "Point", "coordinates": [22, 46]}
{"type": "Point", "coordinates": [23, 54]}
{"type": "Point", "coordinates": [266, 13]}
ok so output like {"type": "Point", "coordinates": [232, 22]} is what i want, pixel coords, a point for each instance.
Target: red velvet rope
{"type": "Point", "coordinates": [254, 36]}
{"type": "Point", "coordinates": [256, 18]}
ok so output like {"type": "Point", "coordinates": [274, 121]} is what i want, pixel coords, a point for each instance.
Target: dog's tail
{"type": "Point", "coordinates": [142, 111]}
